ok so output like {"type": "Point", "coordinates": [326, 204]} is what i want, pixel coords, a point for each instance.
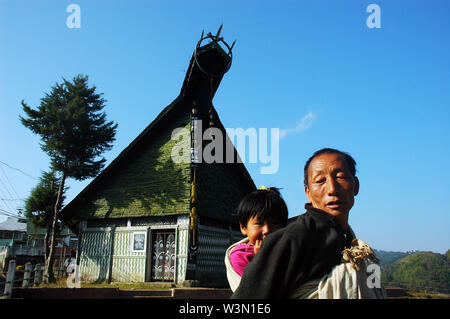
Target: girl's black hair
{"type": "Point", "coordinates": [264, 204]}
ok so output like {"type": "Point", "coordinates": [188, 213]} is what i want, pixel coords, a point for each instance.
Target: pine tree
{"type": "Point", "coordinates": [39, 206]}
{"type": "Point", "coordinates": [74, 133]}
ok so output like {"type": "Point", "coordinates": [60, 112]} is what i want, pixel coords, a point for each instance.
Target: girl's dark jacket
{"type": "Point", "coordinates": [304, 250]}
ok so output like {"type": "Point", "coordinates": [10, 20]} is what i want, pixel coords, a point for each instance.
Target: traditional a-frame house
{"type": "Point", "coordinates": [147, 217]}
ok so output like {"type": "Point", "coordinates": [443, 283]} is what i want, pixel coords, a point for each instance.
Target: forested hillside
{"type": "Point", "coordinates": [388, 257]}
{"type": "Point", "coordinates": [416, 271]}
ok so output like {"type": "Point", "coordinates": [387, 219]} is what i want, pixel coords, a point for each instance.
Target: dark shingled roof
{"type": "Point", "coordinates": [194, 81]}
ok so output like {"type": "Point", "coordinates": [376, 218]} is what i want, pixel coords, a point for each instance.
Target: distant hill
{"type": "Point", "coordinates": [388, 257]}
{"type": "Point", "coordinates": [416, 271]}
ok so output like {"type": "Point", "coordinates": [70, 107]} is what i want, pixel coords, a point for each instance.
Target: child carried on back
{"type": "Point", "coordinates": [259, 213]}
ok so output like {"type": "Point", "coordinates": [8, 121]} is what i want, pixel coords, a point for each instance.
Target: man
{"type": "Point", "coordinates": [311, 246]}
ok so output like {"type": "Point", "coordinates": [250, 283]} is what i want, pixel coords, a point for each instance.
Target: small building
{"type": "Point", "coordinates": [36, 237]}
{"type": "Point", "coordinates": [13, 232]}
{"type": "Point", "coordinates": [24, 242]}
{"type": "Point", "coordinates": [146, 217]}
{"type": "Point", "coordinates": [13, 235]}
{"type": "Point", "coordinates": [66, 242]}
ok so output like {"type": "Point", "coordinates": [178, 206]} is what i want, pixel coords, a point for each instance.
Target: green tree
{"type": "Point", "coordinates": [421, 271]}
{"type": "Point", "coordinates": [74, 133]}
{"type": "Point", "coordinates": [40, 205]}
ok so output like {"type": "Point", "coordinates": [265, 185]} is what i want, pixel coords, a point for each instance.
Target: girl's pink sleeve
{"type": "Point", "coordinates": [239, 260]}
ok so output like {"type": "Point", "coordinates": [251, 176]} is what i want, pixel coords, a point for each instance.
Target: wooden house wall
{"type": "Point", "coordinates": [95, 255]}
{"type": "Point", "coordinates": [220, 188]}
{"type": "Point", "coordinates": [213, 243]}
{"type": "Point", "coordinates": [107, 253]}
{"type": "Point", "coordinates": [150, 191]}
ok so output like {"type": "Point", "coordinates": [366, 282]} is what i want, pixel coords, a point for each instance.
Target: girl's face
{"type": "Point", "coordinates": [257, 230]}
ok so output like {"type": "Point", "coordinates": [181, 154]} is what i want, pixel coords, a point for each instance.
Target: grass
{"type": "Point", "coordinates": [62, 283]}
{"type": "Point", "coordinates": [426, 295]}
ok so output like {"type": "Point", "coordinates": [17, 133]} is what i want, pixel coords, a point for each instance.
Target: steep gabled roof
{"type": "Point", "coordinates": [194, 81]}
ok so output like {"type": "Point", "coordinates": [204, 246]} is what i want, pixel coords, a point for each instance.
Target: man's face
{"type": "Point", "coordinates": [331, 186]}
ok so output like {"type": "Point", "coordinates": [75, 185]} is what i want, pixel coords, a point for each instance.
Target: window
{"type": "Point", "coordinates": [139, 240]}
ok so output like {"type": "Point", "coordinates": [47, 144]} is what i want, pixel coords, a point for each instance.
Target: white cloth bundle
{"type": "Point", "coordinates": [347, 280]}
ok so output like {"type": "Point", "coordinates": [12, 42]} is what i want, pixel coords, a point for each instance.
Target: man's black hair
{"type": "Point", "coordinates": [264, 204]}
{"type": "Point", "coordinates": [351, 164]}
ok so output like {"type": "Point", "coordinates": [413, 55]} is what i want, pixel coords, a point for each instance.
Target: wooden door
{"type": "Point", "coordinates": [163, 255]}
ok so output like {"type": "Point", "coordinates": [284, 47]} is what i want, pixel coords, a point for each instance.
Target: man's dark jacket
{"type": "Point", "coordinates": [304, 250]}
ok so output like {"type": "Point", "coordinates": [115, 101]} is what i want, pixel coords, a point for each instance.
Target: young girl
{"type": "Point", "coordinates": [259, 213]}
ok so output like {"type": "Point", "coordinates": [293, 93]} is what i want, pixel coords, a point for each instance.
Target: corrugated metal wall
{"type": "Point", "coordinates": [182, 248]}
{"type": "Point", "coordinates": [95, 254]}
{"type": "Point", "coordinates": [126, 264]}
{"type": "Point", "coordinates": [213, 243]}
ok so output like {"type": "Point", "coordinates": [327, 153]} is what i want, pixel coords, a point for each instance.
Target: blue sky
{"type": "Point", "coordinates": [311, 68]}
